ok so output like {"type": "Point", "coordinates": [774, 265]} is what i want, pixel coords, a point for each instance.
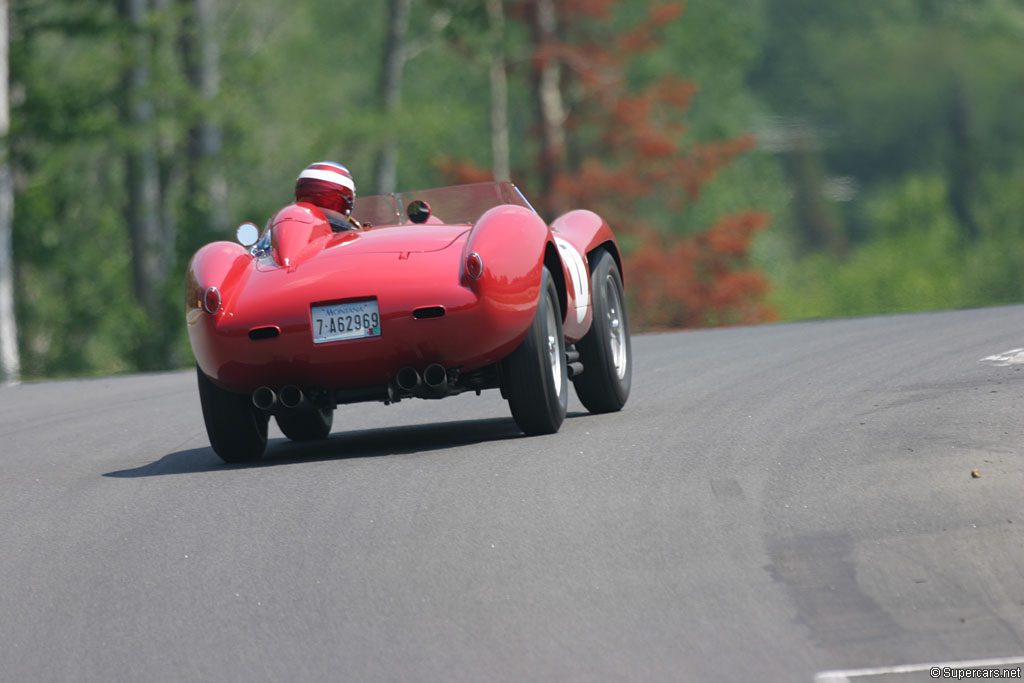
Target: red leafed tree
{"type": "Point", "coordinates": [621, 149]}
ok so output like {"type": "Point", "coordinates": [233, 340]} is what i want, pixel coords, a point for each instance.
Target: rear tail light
{"type": "Point", "coordinates": [474, 265]}
{"type": "Point", "coordinates": [211, 300]}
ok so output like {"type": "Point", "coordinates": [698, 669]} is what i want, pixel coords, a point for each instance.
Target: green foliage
{"type": "Point", "coordinates": [77, 314]}
{"type": "Point", "coordinates": [877, 78]}
{"type": "Point", "coordinates": [716, 45]}
{"type": "Point", "coordinates": [917, 103]}
{"type": "Point", "coordinates": [298, 85]}
{"type": "Point", "coordinates": [919, 259]}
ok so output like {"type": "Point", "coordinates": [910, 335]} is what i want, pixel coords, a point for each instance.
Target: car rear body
{"type": "Point", "coordinates": [276, 298]}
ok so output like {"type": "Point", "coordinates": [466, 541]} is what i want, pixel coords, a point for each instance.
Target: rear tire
{"type": "Point", "coordinates": [535, 374]}
{"type": "Point", "coordinates": [237, 430]}
{"type": "Point", "coordinates": [605, 351]}
{"type": "Point", "coordinates": [311, 426]}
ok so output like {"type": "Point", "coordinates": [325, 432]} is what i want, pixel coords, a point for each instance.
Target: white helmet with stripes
{"type": "Point", "coordinates": [327, 185]}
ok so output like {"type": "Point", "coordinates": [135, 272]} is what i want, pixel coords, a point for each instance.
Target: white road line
{"type": "Point", "coordinates": [1011, 357]}
{"type": "Point", "coordinates": [845, 676]}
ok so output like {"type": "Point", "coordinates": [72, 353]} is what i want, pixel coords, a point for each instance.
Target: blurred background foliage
{"type": "Point", "coordinates": [759, 159]}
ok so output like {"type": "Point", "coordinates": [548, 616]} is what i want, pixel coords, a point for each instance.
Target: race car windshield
{"type": "Point", "coordinates": [454, 204]}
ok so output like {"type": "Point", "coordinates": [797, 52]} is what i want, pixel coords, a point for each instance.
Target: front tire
{"type": "Point", "coordinates": [310, 426]}
{"type": "Point", "coordinates": [605, 351]}
{"type": "Point", "coordinates": [535, 373]}
{"type": "Point", "coordinates": [237, 430]}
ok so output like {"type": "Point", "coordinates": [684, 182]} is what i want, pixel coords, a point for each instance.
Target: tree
{"type": "Point", "coordinates": [898, 88]}
{"type": "Point", "coordinates": [127, 115]}
{"type": "Point", "coordinates": [918, 104]}
{"type": "Point", "coordinates": [500, 158]}
{"type": "Point", "coordinates": [391, 91]}
{"type": "Point", "coordinates": [151, 260]}
{"type": "Point", "coordinates": [9, 362]}
{"type": "Point", "coordinates": [546, 70]}
{"type": "Point", "coordinates": [620, 147]}
{"type": "Point", "coordinates": [205, 186]}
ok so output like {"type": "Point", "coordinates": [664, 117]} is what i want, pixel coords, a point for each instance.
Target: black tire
{"type": "Point", "coordinates": [237, 430]}
{"type": "Point", "coordinates": [308, 426]}
{"type": "Point", "coordinates": [535, 374]}
{"type": "Point", "coordinates": [605, 351]}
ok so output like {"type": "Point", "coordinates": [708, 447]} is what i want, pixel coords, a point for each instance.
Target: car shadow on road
{"type": "Point", "coordinates": [366, 443]}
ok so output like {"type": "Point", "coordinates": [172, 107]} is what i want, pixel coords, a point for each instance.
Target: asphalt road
{"type": "Point", "coordinates": [774, 502]}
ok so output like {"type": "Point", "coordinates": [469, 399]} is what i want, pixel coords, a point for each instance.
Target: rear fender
{"type": "Point", "coordinates": [224, 265]}
{"type": "Point", "coordinates": [218, 264]}
{"type": "Point", "coordinates": [579, 234]}
{"type": "Point", "coordinates": [511, 242]}
{"type": "Point", "coordinates": [588, 232]}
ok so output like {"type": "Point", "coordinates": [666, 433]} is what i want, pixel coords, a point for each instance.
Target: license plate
{"type": "Point", "coordinates": [353, 320]}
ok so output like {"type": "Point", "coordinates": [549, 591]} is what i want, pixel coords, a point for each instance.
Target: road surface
{"type": "Point", "coordinates": [773, 504]}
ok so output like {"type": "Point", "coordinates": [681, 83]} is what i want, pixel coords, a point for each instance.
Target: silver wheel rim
{"type": "Point", "coordinates": [554, 357]}
{"type": "Point", "coordinates": [616, 335]}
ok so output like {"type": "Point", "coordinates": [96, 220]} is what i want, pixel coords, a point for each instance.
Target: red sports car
{"type": "Point", "coordinates": [437, 292]}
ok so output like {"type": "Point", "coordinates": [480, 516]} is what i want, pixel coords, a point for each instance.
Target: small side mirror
{"type": "Point", "coordinates": [418, 211]}
{"type": "Point", "coordinates": [248, 234]}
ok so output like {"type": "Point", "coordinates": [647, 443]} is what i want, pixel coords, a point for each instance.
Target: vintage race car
{"type": "Point", "coordinates": [441, 291]}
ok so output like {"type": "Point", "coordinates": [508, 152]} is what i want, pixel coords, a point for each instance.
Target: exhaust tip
{"type": "Point", "coordinates": [407, 379]}
{"type": "Point", "coordinates": [264, 398]}
{"type": "Point", "coordinates": [435, 376]}
{"type": "Point", "coordinates": [291, 396]}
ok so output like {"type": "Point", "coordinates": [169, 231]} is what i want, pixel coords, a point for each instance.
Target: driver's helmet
{"type": "Point", "coordinates": [327, 185]}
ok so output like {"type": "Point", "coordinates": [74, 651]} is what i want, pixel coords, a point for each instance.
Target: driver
{"type": "Point", "coordinates": [329, 187]}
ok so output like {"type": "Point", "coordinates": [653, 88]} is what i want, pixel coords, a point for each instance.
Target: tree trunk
{"type": "Point", "coordinates": [963, 163]}
{"type": "Point", "coordinates": [163, 56]}
{"type": "Point", "coordinates": [206, 186]}
{"type": "Point", "coordinates": [150, 258]}
{"type": "Point", "coordinates": [818, 225]}
{"type": "Point", "coordinates": [499, 93]}
{"type": "Point", "coordinates": [9, 362]}
{"type": "Point", "coordinates": [547, 77]}
{"type": "Point", "coordinates": [391, 92]}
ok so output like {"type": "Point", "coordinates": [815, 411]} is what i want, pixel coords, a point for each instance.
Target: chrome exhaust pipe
{"type": "Point", "coordinates": [435, 377]}
{"type": "Point", "coordinates": [292, 397]}
{"type": "Point", "coordinates": [574, 369]}
{"type": "Point", "coordinates": [264, 398]}
{"type": "Point", "coordinates": [408, 379]}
